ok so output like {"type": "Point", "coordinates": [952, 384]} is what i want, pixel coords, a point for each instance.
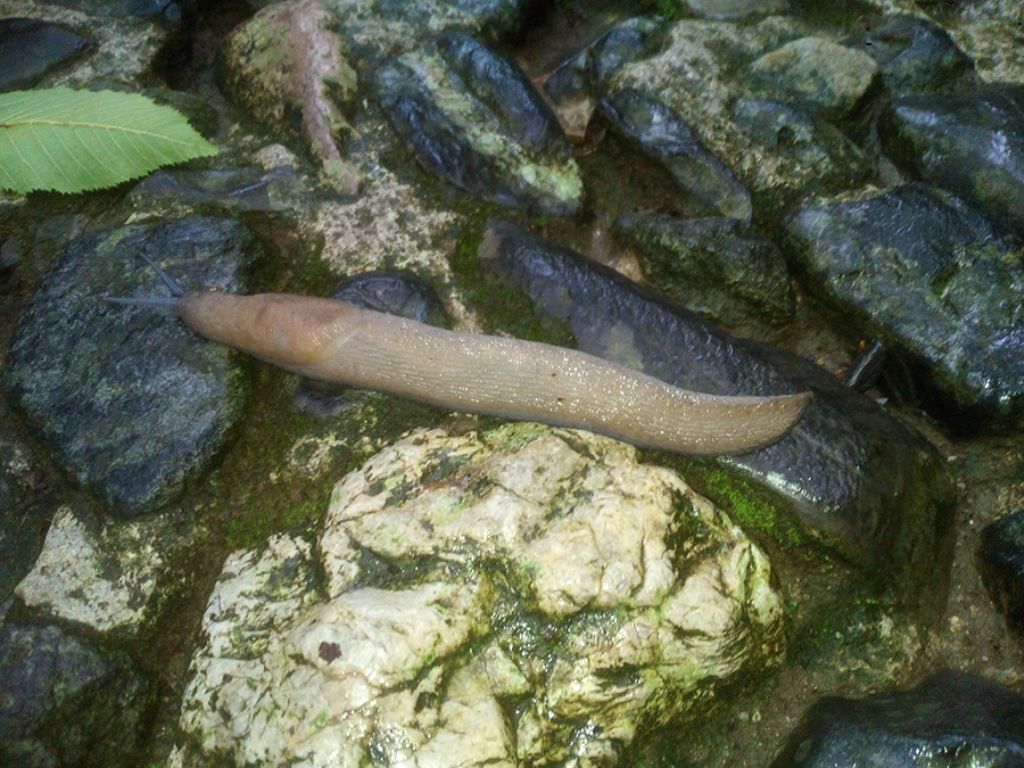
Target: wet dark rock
{"type": "Point", "coordinates": [130, 402]}
{"type": "Point", "coordinates": [1001, 560]}
{"type": "Point", "coordinates": [29, 48]}
{"type": "Point", "coordinates": [472, 118]}
{"type": "Point", "coordinates": [973, 144]}
{"type": "Point", "coordinates": [951, 718]}
{"type": "Point", "coordinates": [663, 135]}
{"type": "Point", "coordinates": [937, 280]}
{"type": "Point", "coordinates": [855, 477]}
{"type": "Point", "coordinates": [916, 56]}
{"type": "Point", "coordinates": [828, 79]}
{"type": "Point", "coordinates": [225, 190]}
{"type": "Point", "coordinates": [397, 293]}
{"type": "Point", "coordinates": [170, 12]}
{"type": "Point", "coordinates": [25, 510]}
{"type": "Point", "coordinates": [579, 81]}
{"type": "Point", "coordinates": [716, 267]}
{"type": "Point", "coordinates": [803, 141]}
{"type": "Point", "coordinates": [66, 703]}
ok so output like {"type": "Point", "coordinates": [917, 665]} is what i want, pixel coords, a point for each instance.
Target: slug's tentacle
{"type": "Point", "coordinates": [164, 302]}
{"type": "Point", "coordinates": [172, 285]}
{"type": "Point", "coordinates": [336, 341]}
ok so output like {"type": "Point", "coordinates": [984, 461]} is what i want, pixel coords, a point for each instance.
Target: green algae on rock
{"type": "Point", "coordinates": [715, 267]}
{"type": "Point", "coordinates": [532, 566]}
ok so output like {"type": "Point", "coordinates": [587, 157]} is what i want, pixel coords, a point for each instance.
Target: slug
{"type": "Point", "coordinates": [339, 342]}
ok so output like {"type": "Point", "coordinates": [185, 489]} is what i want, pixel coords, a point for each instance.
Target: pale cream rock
{"type": "Point", "coordinates": [461, 572]}
{"type": "Point", "coordinates": [99, 576]}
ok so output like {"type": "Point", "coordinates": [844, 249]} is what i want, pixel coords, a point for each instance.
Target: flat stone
{"type": "Point", "coordinates": [130, 402]}
{"type": "Point", "coordinates": [972, 145]}
{"type": "Point", "coordinates": [224, 190]}
{"type": "Point", "coordinates": [951, 715]}
{"type": "Point", "coordinates": [853, 476]}
{"type": "Point", "coordinates": [734, 10]}
{"type": "Point", "coordinates": [939, 281]}
{"type": "Point", "coordinates": [29, 48]}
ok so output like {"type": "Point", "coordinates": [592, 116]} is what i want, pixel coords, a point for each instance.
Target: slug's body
{"type": "Point", "coordinates": [336, 341]}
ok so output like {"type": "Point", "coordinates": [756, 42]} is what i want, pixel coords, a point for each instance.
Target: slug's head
{"type": "Point", "coordinates": [289, 331]}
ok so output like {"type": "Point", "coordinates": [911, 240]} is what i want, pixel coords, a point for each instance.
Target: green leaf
{"type": "Point", "coordinates": [71, 141]}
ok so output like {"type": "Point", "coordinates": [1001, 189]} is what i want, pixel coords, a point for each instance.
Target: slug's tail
{"type": "Point", "coordinates": [162, 302]}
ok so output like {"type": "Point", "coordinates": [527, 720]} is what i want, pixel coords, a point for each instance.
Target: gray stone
{"type": "Point", "coordinates": [917, 56]}
{"type": "Point", "coordinates": [939, 281]}
{"type": "Point", "coordinates": [577, 84]}
{"type": "Point", "coordinates": [818, 74]}
{"type": "Point", "coordinates": [29, 48]}
{"type": "Point", "coordinates": [529, 564]}
{"type": "Point", "coordinates": [101, 576]}
{"type": "Point", "coordinates": [378, 28]}
{"type": "Point", "coordinates": [715, 267]}
{"type": "Point", "coordinates": [24, 509]}
{"type": "Point", "coordinates": [222, 190]}
{"type": "Point", "coordinates": [662, 134]}
{"type": "Point", "coordinates": [699, 73]}
{"type": "Point", "coordinates": [472, 118]}
{"type": "Point", "coordinates": [853, 476]}
{"type": "Point", "coordinates": [131, 403]}
{"type": "Point", "coordinates": [66, 702]}
{"type": "Point", "coordinates": [972, 145]}
{"type": "Point", "coordinates": [122, 49]}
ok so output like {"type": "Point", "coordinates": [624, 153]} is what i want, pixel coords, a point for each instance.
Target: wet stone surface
{"type": "Point", "coordinates": [715, 267]}
{"type": "Point", "coordinates": [972, 144]}
{"type": "Point", "coordinates": [949, 714]}
{"type": "Point", "coordinates": [129, 402]}
{"type": "Point", "coordinates": [840, 468]}
{"type": "Point", "coordinates": [660, 133]}
{"type": "Point", "coordinates": [29, 48]}
{"type": "Point", "coordinates": [471, 117]}
{"type": "Point", "coordinates": [916, 56]}
{"type": "Point", "coordinates": [936, 278]}
{"type": "Point", "coordinates": [452, 588]}
{"type": "Point", "coordinates": [46, 674]}
{"type": "Point", "coordinates": [225, 190]}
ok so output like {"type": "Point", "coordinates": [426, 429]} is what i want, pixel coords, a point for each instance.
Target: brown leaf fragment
{"type": "Point", "coordinates": [286, 63]}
